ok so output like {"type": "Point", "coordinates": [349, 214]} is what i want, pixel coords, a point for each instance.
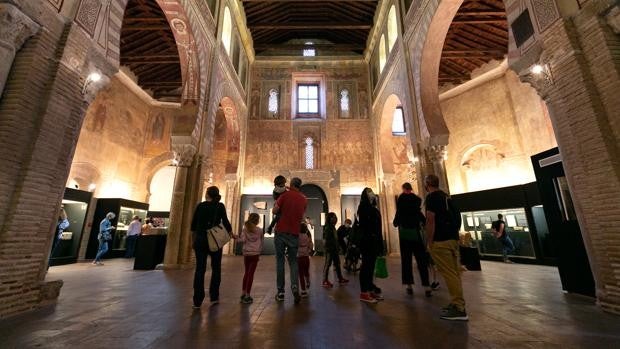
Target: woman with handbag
{"type": "Point", "coordinates": [371, 245]}
{"type": "Point", "coordinates": [210, 231]}
{"type": "Point", "coordinates": [105, 235]}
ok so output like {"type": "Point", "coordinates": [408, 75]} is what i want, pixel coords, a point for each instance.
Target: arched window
{"type": "Point", "coordinates": [398, 122]}
{"type": "Point", "coordinates": [273, 101]}
{"type": "Point", "coordinates": [309, 153]}
{"type": "Point", "coordinates": [392, 27]}
{"type": "Point", "coordinates": [382, 53]}
{"type": "Point", "coordinates": [344, 100]}
{"type": "Point", "coordinates": [227, 30]}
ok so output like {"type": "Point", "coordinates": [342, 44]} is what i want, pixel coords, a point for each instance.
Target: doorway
{"type": "Point", "coordinates": [316, 210]}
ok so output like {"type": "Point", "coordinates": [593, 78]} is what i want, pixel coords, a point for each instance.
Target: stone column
{"type": "Point", "coordinates": [436, 160]}
{"type": "Point", "coordinates": [184, 157]}
{"type": "Point", "coordinates": [231, 190]}
{"type": "Point", "coordinates": [15, 29]}
{"type": "Point", "coordinates": [389, 203]}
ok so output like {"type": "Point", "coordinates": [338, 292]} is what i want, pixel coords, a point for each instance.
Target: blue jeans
{"type": "Point", "coordinates": [286, 243]}
{"type": "Point", "coordinates": [507, 245]}
{"type": "Point", "coordinates": [103, 248]}
{"type": "Point", "coordinates": [130, 245]}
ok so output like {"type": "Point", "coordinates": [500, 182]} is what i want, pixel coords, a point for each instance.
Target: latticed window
{"type": "Point", "coordinates": [273, 101]}
{"type": "Point", "coordinates": [344, 100]}
{"type": "Point", "coordinates": [309, 50]}
{"type": "Point", "coordinates": [309, 152]}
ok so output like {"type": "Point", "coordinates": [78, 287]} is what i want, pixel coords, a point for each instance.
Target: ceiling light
{"type": "Point", "coordinates": [94, 77]}
{"type": "Point", "coordinates": [92, 186]}
{"type": "Point", "coordinates": [537, 69]}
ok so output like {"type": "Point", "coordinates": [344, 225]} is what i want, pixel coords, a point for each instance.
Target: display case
{"type": "Point", "coordinates": [160, 221]}
{"type": "Point", "coordinates": [124, 211]}
{"type": "Point", "coordinates": [64, 249]}
{"type": "Point", "coordinates": [478, 225]}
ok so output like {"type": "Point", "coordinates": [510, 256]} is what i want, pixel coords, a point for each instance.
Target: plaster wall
{"type": "Point", "coordinates": [494, 129]}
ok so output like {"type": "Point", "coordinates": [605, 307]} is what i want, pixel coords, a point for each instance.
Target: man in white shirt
{"type": "Point", "coordinates": [132, 235]}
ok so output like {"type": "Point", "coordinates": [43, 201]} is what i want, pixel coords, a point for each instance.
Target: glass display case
{"type": "Point", "coordinates": [160, 220]}
{"type": "Point", "coordinates": [124, 211]}
{"type": "Point", "coordinates": [124, 218]}
{"type": "Point", "coordinates": [64, 249]}
{"type": "Point", "coordinates": [478, 225]}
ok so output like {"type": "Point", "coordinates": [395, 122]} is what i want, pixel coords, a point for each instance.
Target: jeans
{"type": "Point", "coordinates": [446, 257]}
{"type": "Point", "coordinates": [103, 248]}
{"type": "Point", "coordinates": [250, 263]}
{"type": "Point", "coordinates": [507, 245]}
{"type": "Point", "coordinates": [304, 271]}
{"type": "Point", "coordinates": [286, 243]}
{"type": "Point", "coordinates": [131, 245]}
{"type": "Point", "coordinates": [408, 249]}
{"type": "Point", "coordinates": [332, 257]}
{"type": "Point", "coordinates": [201, 249]}
{"type": "Point", "coordinates": [367, 271]}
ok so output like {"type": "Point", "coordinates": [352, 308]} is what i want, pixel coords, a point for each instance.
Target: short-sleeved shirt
{"type": "Point", "coordinates": [437, 203]}
{"type": "Point", "coordinates": [497, 224]}
{"type": "Point", "coordinates": [292, 206]}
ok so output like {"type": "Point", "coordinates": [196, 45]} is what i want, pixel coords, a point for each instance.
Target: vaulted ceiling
{"type": "Point", "coordinates": [339, 25]}
{"type": "Point", "coordinates": [149, 49]}
{"type": "Point", "coordinates": [478, 34]}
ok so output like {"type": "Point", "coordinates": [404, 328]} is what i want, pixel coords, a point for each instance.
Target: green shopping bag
{"type": "Point", "coordinates": [381, 268]}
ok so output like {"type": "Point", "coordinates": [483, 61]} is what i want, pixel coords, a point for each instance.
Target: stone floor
{"type": "Point", "coordinates": [510, 306]}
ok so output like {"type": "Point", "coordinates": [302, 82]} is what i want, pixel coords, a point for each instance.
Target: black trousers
{"type": "Point", "coordinates": [367, 271]}
{"type": "Point", "coordinates": [201, 248]}
{"type": "Point", "coordinates": [332, 257]}
{"type": "Point", "coordinates": [408, 249]}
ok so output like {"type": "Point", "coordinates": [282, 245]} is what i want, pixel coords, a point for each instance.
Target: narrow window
{"type": "Point", "coordinates": [398, 122]}
{"type": "Point", "coordinates": [309, 152]}
{"type": "Point", "coordinates": [273, 101]}
{"type": "Point", "coordinates": [308, 99]}
{"type": "Point", "coordinates": [392, 28]}
{"type": "Point", "coordinates": [382, 55]}
{"type": "Point", "coordinates": [227, 30]}
{"type": "Point", "coordinates": [344, 100]}
{"type": "Point", "coordinates": [309, 50]}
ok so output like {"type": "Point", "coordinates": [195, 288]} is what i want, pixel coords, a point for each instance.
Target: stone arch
{"type": "Point", "coordinates": [154, 165]}
{"type": "Point", "coordinates": [83, 174]}
{"type": "Point", "coordinates": [440, 16]}
{"type": "Point", "coordinates": [386, 145]}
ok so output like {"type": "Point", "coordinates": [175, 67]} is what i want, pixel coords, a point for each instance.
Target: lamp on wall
{"type": "Point", "coordinates": [91, 78]}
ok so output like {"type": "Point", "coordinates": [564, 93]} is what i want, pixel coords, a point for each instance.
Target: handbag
{"type": "Point", "coordinates": [217, 236]}
{"type": "Point", "coordinates": [381, 271]}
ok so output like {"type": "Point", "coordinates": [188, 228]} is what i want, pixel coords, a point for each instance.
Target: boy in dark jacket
{"type": "Point", "coordinates": [279, 187]}
{"type": "Point", "coordinates": [330, 239]}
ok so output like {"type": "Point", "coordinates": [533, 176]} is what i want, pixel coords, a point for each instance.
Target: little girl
{"type": "Point", "coordinates": [303, 259]}
{"type": "Point", "coordinates": [252, 238]}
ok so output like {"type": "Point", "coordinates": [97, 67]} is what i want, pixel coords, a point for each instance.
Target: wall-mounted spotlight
{"type": "Point", "coordinates": [537, 69]}
{"type": "Point", "coordinates": [92, 186]}
{"type": "Point", "coordinates": [92, 77]}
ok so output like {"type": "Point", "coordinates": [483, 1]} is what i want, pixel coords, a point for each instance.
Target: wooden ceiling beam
{"type": "Point", "coordinates": [145, 27]}
{"type": "Point", "coordinates": [481, 13]}
{"type": "Point", "coordinates": [307, 1]}
{"type": "Point", "coordinates": [334, 47]}
{"type": "Point", "coordinates": [453, 57]}
{"type": "Point", "coordinates": [474, 50]}
{"type": "Point", "coordinates": [478, 21]}
{"type": "Point", "coordinates": [312, 26]}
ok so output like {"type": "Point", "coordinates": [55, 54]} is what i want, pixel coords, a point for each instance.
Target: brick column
{"type": "Point", "coordinates": [580, 83]}
{"type": "Point", "coordinates": [15, 29]}
{"type": "Point", "coordinates": [175, 256]}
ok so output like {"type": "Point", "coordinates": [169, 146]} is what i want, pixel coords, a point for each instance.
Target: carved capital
{"type": "Point", "coordinates": [540, 79]}
{"type": "Point", "coordinates": [15, 26]}
{"type": "Point", "coordinates": [436, 153]}
{"type": "Point", "coordinates": [184, 154]}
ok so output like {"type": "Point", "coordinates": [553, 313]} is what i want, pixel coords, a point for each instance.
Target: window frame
{"type": "Point", "coordinates": [316, 114]}
{"type": "Point", "coordinates": [402, 117]}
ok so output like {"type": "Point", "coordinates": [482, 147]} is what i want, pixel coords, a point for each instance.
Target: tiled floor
{"type": "Point", "coordinates": [510, 306]}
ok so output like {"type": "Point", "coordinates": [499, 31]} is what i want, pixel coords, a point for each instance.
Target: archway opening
{"type": "Point", "coordinates": [316, 212]}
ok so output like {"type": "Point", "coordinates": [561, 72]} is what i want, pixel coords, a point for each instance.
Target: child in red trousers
{"type": "Point", "coordinates": [252, 238]}
{"type": "Point", "coordinates": [303, 259]}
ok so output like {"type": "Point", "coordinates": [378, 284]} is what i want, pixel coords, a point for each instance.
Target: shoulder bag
{"type": "Point", "coordinates": [217, 235]}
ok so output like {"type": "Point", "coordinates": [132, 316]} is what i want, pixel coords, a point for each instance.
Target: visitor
{"type": "Point", "coordinates": [499, 231]}
{"type": "Point", "coordinates": [409, 220]}
{"type": "Point", "coordinates": [252, 238]}
{"type": "Point", "coordinates": [279, 187]}
{"type": "Point", "coordinates": [105, 235]}
{"type": "Point", "coordinates": [442, 238]}
{"type": "Point", "coordinates": [330, 241]}
{"type": "Point", "coordinates": [147, 227]}
{"type": "Point", "coordinates": [343, 233]}
{"type": "Point", "coordinates": [291, 205]}
{"type": "Point", "coordinates": [61, 225]}
{"type": "Point", "coordinates": [303, 259]}
{"type": "Point", "coordinates": [371, 245]}
{"type": "Point", "coordinates": [310, 226]}
{"type": "Point", "coordinates": [207, 215]}
{"type": "Point", "coordinates": [133, 231]}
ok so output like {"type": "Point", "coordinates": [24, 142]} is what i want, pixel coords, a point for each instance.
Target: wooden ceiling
{"type": "Point", "coordinates": [149, 49]}
{"type": "Point", "coordinates": [478, 34]}
{"type": "Point", "coordinates": [343, 24]}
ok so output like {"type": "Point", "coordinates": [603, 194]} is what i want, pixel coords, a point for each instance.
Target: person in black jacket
{"type": "Point", "coordinates": [208, 214]}
{"type": "Point", "coordinates": [371, 245]}
{"type": "Point", "coordinates": [408, 220]}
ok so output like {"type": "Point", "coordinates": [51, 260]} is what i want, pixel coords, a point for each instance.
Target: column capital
{"type": "Point", "coordinates": [436, 153]}
{"type": "Point", "coordinates": [539, 77]}
{"type": "Point", "coordinates": [15, 26]}
{"type": "Point", "coordinates": [184, 154]}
